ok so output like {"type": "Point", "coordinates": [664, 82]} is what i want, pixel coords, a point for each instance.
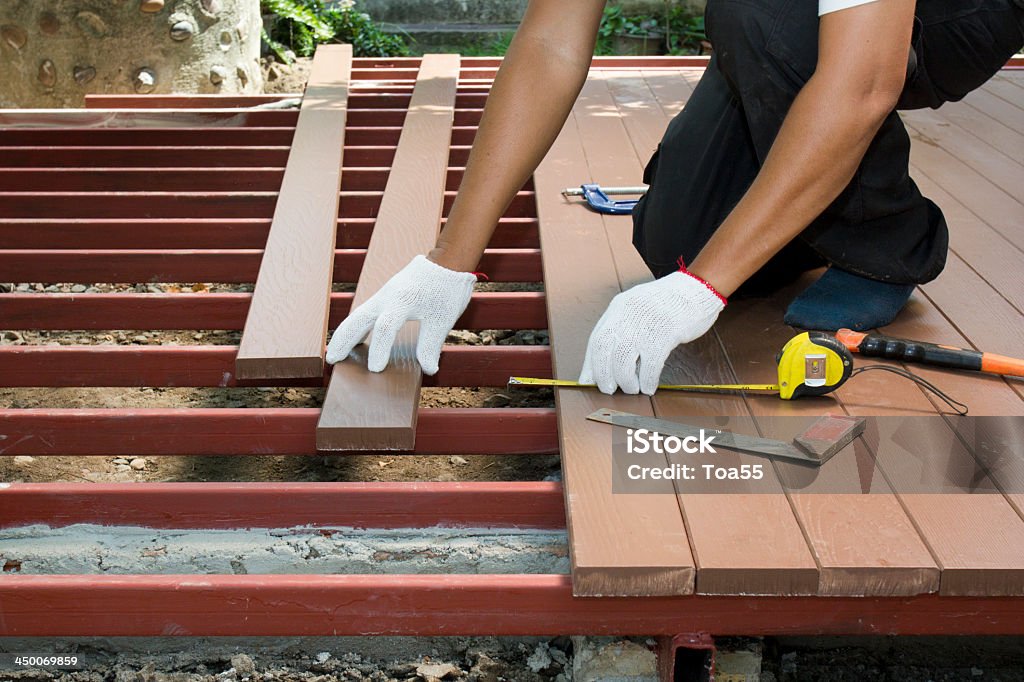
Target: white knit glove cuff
{"type": "Point", "coordinates": [642, 326]}
{"type": "Point", "coordinates": [422, 290]}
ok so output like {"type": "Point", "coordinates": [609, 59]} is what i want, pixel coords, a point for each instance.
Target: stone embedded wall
{"type": "Point", "coordinates": [53, 52]}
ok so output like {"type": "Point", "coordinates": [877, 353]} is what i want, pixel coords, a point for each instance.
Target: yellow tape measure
{"type": "Point", "coordinates": [812, 363]}
{"type": "Point", "coordinates": [531, 381]}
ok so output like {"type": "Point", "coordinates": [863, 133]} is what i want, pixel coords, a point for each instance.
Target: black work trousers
{"type": "Point", "coordinates": [880, 226]}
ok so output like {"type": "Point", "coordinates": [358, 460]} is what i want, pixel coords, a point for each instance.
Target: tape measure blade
{"type": "Point", "coordinates": [532, 381]}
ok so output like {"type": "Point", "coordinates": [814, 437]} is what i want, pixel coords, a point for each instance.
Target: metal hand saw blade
{"type": "Point", "coordinates": [725, 439]}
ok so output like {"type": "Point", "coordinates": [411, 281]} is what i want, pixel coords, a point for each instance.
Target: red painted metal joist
{"type": "Point", "coordinates": [214, 366]}
{"type": "Point", "coordinates": [236, 265]}
{"type": "Point", "coordinates": [113, 118]}
{"type": "Point", "coordinates": [164, 204]}
{"type": "Point", "coordinates": [293, 605]}
{"type": "Point", "coordinates": [260, 431]}
{"type": "Point", "coordinates": [487, 310]}
{"type": "Point", "coordinates": [284, 505]}
{"type": "Point", "coordinates": [205, 233]}
{"type": "Point", "coordinates": [219, 179]}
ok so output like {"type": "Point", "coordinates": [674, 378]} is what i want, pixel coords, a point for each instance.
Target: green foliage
{"type": "Point", "coordinates": [495, 46]}
{"type": "Point", "coordinates": [301, 25]}
{"type": "Point", "coordinates": [682, 30]}
{"type": "Point", "coordinates": [685, 32]}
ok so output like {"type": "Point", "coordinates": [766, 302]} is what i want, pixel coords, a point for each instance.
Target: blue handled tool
{"type": "Point", "coordinates": [599, 200]}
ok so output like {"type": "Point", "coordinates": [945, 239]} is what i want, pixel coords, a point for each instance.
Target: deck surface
{"type": "Point", "coordinates": [797, 533]}
{"type": "Point", "coordinates": [141, 196]}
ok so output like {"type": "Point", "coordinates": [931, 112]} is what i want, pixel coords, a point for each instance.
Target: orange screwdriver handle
{"type": "Point", "coordinates": [1000, 364]}
{"type": "Point", "coordinates": [878, 346]}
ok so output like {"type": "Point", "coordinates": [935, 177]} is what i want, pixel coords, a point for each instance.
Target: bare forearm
{"type": "Point", "coordinates": [815, 154]}
{"type": "Point", "coordinates": [533, 92]}
{"type": "Point", "coordinates": [862, 58]}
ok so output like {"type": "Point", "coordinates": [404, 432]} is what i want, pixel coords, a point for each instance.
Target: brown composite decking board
{"type": "Point", "coordinates": [287, 321]}
{"type": "Point", "coordinates": [727, 530]}
{"type": "Point", "coordinates": [929, 127]}
{"type": "Point", "coordinates": [1004, 139]}
{"type": "Point", "coordinates": [284, 330]}
{"type": "Point", "coordinates": [864, 542]}
{"type": "Point", "coordinates": [995, 106]}
{"type": "Point", "coordinates": [1006, 86]}
{"type": "Point", "coordinates": [918, 530]}
{"type": "Point", "coordinates": [619, 544]}
{"type": "Point", "coordinates": [988, 253]}
{"type": "Point", "coordinates": [366, 410]}
{"type": "Point", "coordinates": [978, 193]}
{"type": "Point", "coordinates": [852, 556]}
{"type": "Point", "coordinates": [976, 538]}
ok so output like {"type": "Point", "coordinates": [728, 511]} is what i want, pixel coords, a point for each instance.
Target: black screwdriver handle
{"type": "Point", "coordinates": [874, 345]}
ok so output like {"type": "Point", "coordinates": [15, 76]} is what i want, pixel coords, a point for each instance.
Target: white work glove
{"type": "Point", "coordinates": [642, 326]}
{"type": "Point", "coordinates": [422, 290]}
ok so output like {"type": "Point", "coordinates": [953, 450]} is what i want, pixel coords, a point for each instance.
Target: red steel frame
{"type": "Point", "coordinates": [205, 210]}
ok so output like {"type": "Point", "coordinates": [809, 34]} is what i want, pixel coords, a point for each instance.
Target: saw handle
{"type": "Point", "coordinates": [878, 346]}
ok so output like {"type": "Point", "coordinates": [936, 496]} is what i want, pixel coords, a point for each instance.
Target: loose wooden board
{"type": "Point", "coordinates": [366, 410]}
{"type": "Point", "coordinates": [287, 320]}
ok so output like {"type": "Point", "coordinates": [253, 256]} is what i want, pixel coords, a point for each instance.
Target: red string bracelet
{"type": "Point", "coordinates": [682, 269]}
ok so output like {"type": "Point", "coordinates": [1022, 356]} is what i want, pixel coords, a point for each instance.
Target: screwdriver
{"type": "Point", "coordinates": [920, 352]}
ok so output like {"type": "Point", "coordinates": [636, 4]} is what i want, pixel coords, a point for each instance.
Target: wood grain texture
{"type": "Point", "coordinates": [863, 540]}
{"type": "Point", "coordinates": [972, 531]}
{"type": "Point", "coordinates": [1006, 88]}
{"type": "Point", "coordinates": [978, 193]}
{"type": "Point", "coordinates": [928, 127]}
{"type": "Point", "coordinates": [619, 544]}
{"type": "Point", "coordinates": [1000, 137]}
{"type": "Point", "coordinates": [996, 107]}
{"type": "Point", "coordinates": [366, 410]}
{"type": "Point", "coordinates": [287, 320]}
{"type": "Point", "coordinates": [727, 528]}
{"type": "Point", "coordinates": [984, 250]}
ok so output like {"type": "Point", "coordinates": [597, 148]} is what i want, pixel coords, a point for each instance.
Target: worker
{"type": "Point", "coordinates": [788, 156]}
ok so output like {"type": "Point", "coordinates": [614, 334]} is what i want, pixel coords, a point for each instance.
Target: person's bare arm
{"type": "Point", "coordinates": [533, 93]}
{"type": "Point", "coordinates": [862, 61]}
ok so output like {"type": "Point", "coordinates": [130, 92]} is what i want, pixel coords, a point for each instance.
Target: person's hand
{"type": "Point", "coordinates": [422, 290]}
{"type": "Point", "coordinates": [633, 339]}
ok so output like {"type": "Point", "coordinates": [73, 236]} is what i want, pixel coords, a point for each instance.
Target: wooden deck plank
{"type": "Point", "coordinates": [1006, 89]}
{"type": "Point", "coordinates": [1005, 140]}
{"type": "Point", "coordinates": [995, 441]}
{"type": "Point", "coordinates": [976, 538]}
{"type": "Point", "coordinates": [726, 529]}
{"type": "Point", "coordinates": [234, 265]}
{"type": "Point", "coordinates": [985, 199]}
{"type": "Point", "coordinates": [988, 253]}
{"type": "Point", "coordinates": [287, 320]}
{"type": "Point", "coordinates": [366, 410]}
{"type": "Point", "coordinates": [671, 89]}
{"type": "Point", "coordinates": [619, 544]}
{"type": "Point", "coordinates": [985, 394]}
{"type": "Point", "coordinates": [994, 106]}
{"type": "Point", "coordinates": [984, 317]}
{"type": "Point", "coordinates": [864, 542]}
{"type": "Point", "coordinates": [928, 127]}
